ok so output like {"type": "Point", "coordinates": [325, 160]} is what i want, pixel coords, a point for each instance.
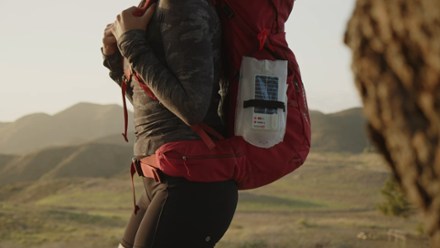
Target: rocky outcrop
{"type": "Point", "coordinates": [396, 63]}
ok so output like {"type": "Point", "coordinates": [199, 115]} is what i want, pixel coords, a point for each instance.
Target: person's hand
{"type": "Point", "coordinates": [129, 20]}
{"type": "Point", "coordinates": [109, 45]}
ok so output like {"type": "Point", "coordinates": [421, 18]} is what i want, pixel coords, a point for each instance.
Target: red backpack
{"type": "Point", "coordinates": [255, 30]}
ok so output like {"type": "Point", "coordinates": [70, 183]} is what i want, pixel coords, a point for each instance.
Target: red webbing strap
{"type": "Point", "coordinates": [146, 167]}
{"type": "Point", "coordinates": [204, 136]}
{"type": "Point", "coordinates": [124, 102]}
{"type": "Point", "coordinates": [149, 167]}
{"type": "Point", "coordinates": [132, 172]}
{"type": "Point", "coordinates": [262, 37]}
{"type": "Point", "coordinates": [146, 89]}
{"type": "Point", "coordinates": [151, 161]}
{"type": "Point", "coordinates": [211, 131]}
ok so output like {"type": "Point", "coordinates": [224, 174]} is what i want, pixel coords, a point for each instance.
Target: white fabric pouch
{"type": "Point", "coordinates": [261, 110]}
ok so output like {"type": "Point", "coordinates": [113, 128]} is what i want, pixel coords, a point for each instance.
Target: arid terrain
{"type": "Point", "coordinates": [329, 202]}
{"type": "Point", "coordinates": [73, 190]}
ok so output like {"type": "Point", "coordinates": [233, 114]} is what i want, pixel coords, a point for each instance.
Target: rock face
{"type": "Point", "coordinates": [396, 63]}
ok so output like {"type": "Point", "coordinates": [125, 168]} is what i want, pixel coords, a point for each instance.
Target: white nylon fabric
{"type": "Point", "coordinates": [261, 80]}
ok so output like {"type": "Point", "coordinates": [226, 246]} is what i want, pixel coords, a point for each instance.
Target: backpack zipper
{"type": "Point", "coordinates": [203, 157]}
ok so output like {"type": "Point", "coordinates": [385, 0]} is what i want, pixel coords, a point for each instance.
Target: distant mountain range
{"type": "Point", "coordinates": [85, 141]}
{"type": "Point", "coordinates": [343, 131]}
{"type": "Point", "coordinates": [81, 123]}
{"type": "Point", "coordinates": [88, 160]}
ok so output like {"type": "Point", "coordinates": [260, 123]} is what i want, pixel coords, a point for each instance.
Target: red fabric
{"type": "Point", "coordinates": [255, 30]}
{"type": "Point", "coordinates": [193, 160]}
{"type": "Point", "coordinates": [124, 91]}
{"type": "Point", "coordinates": [263, 166]}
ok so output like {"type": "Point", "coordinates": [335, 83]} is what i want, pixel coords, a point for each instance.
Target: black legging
{"type": "Point", "coordinates": [178, 213]}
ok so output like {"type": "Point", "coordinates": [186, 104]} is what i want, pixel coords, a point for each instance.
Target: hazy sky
{"type": "Point", "coordinates": [50, 57]}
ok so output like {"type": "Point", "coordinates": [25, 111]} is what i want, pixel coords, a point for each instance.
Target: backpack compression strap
{"type": "Point", "coordinates": [124, 102]}
{"type": "Point", "coordinates": [145, 167]}
{"type": "Point", "coordinates": [257, 103]}
{"type": "Point", "coordinates": [204, 131]}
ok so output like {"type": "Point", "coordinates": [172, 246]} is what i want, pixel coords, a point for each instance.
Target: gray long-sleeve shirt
{"type": "Point", "coordinates": [179, 59]}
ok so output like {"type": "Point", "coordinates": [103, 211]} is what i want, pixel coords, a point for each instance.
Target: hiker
{"type": "Point", "coordinates": [175, 48]}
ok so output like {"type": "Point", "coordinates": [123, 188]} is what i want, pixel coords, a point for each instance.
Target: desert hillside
{"type": "Point", "coordinates": [86, 122]}
{"type": "Point", "coordinates": [343, 131]}
{"type": "Point", "coordinates": [81, 123]}
{"type": "Point", "coordinates": [88, 160]}
{"type": "Point", "coordinates": [85, 141]}
{"type": "Point", "coordinates": [331, 201]}
{"type": "Point", "coordinates": [70, 187]}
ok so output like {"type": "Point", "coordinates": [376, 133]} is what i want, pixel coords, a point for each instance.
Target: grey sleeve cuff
{"type": "Point", "coordinates": [114, 64]}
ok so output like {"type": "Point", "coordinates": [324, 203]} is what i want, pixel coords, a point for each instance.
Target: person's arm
{"type": "Point", "coordinates": [113, 60]}
{"type": "Point", "coordinates": [184, 84]}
